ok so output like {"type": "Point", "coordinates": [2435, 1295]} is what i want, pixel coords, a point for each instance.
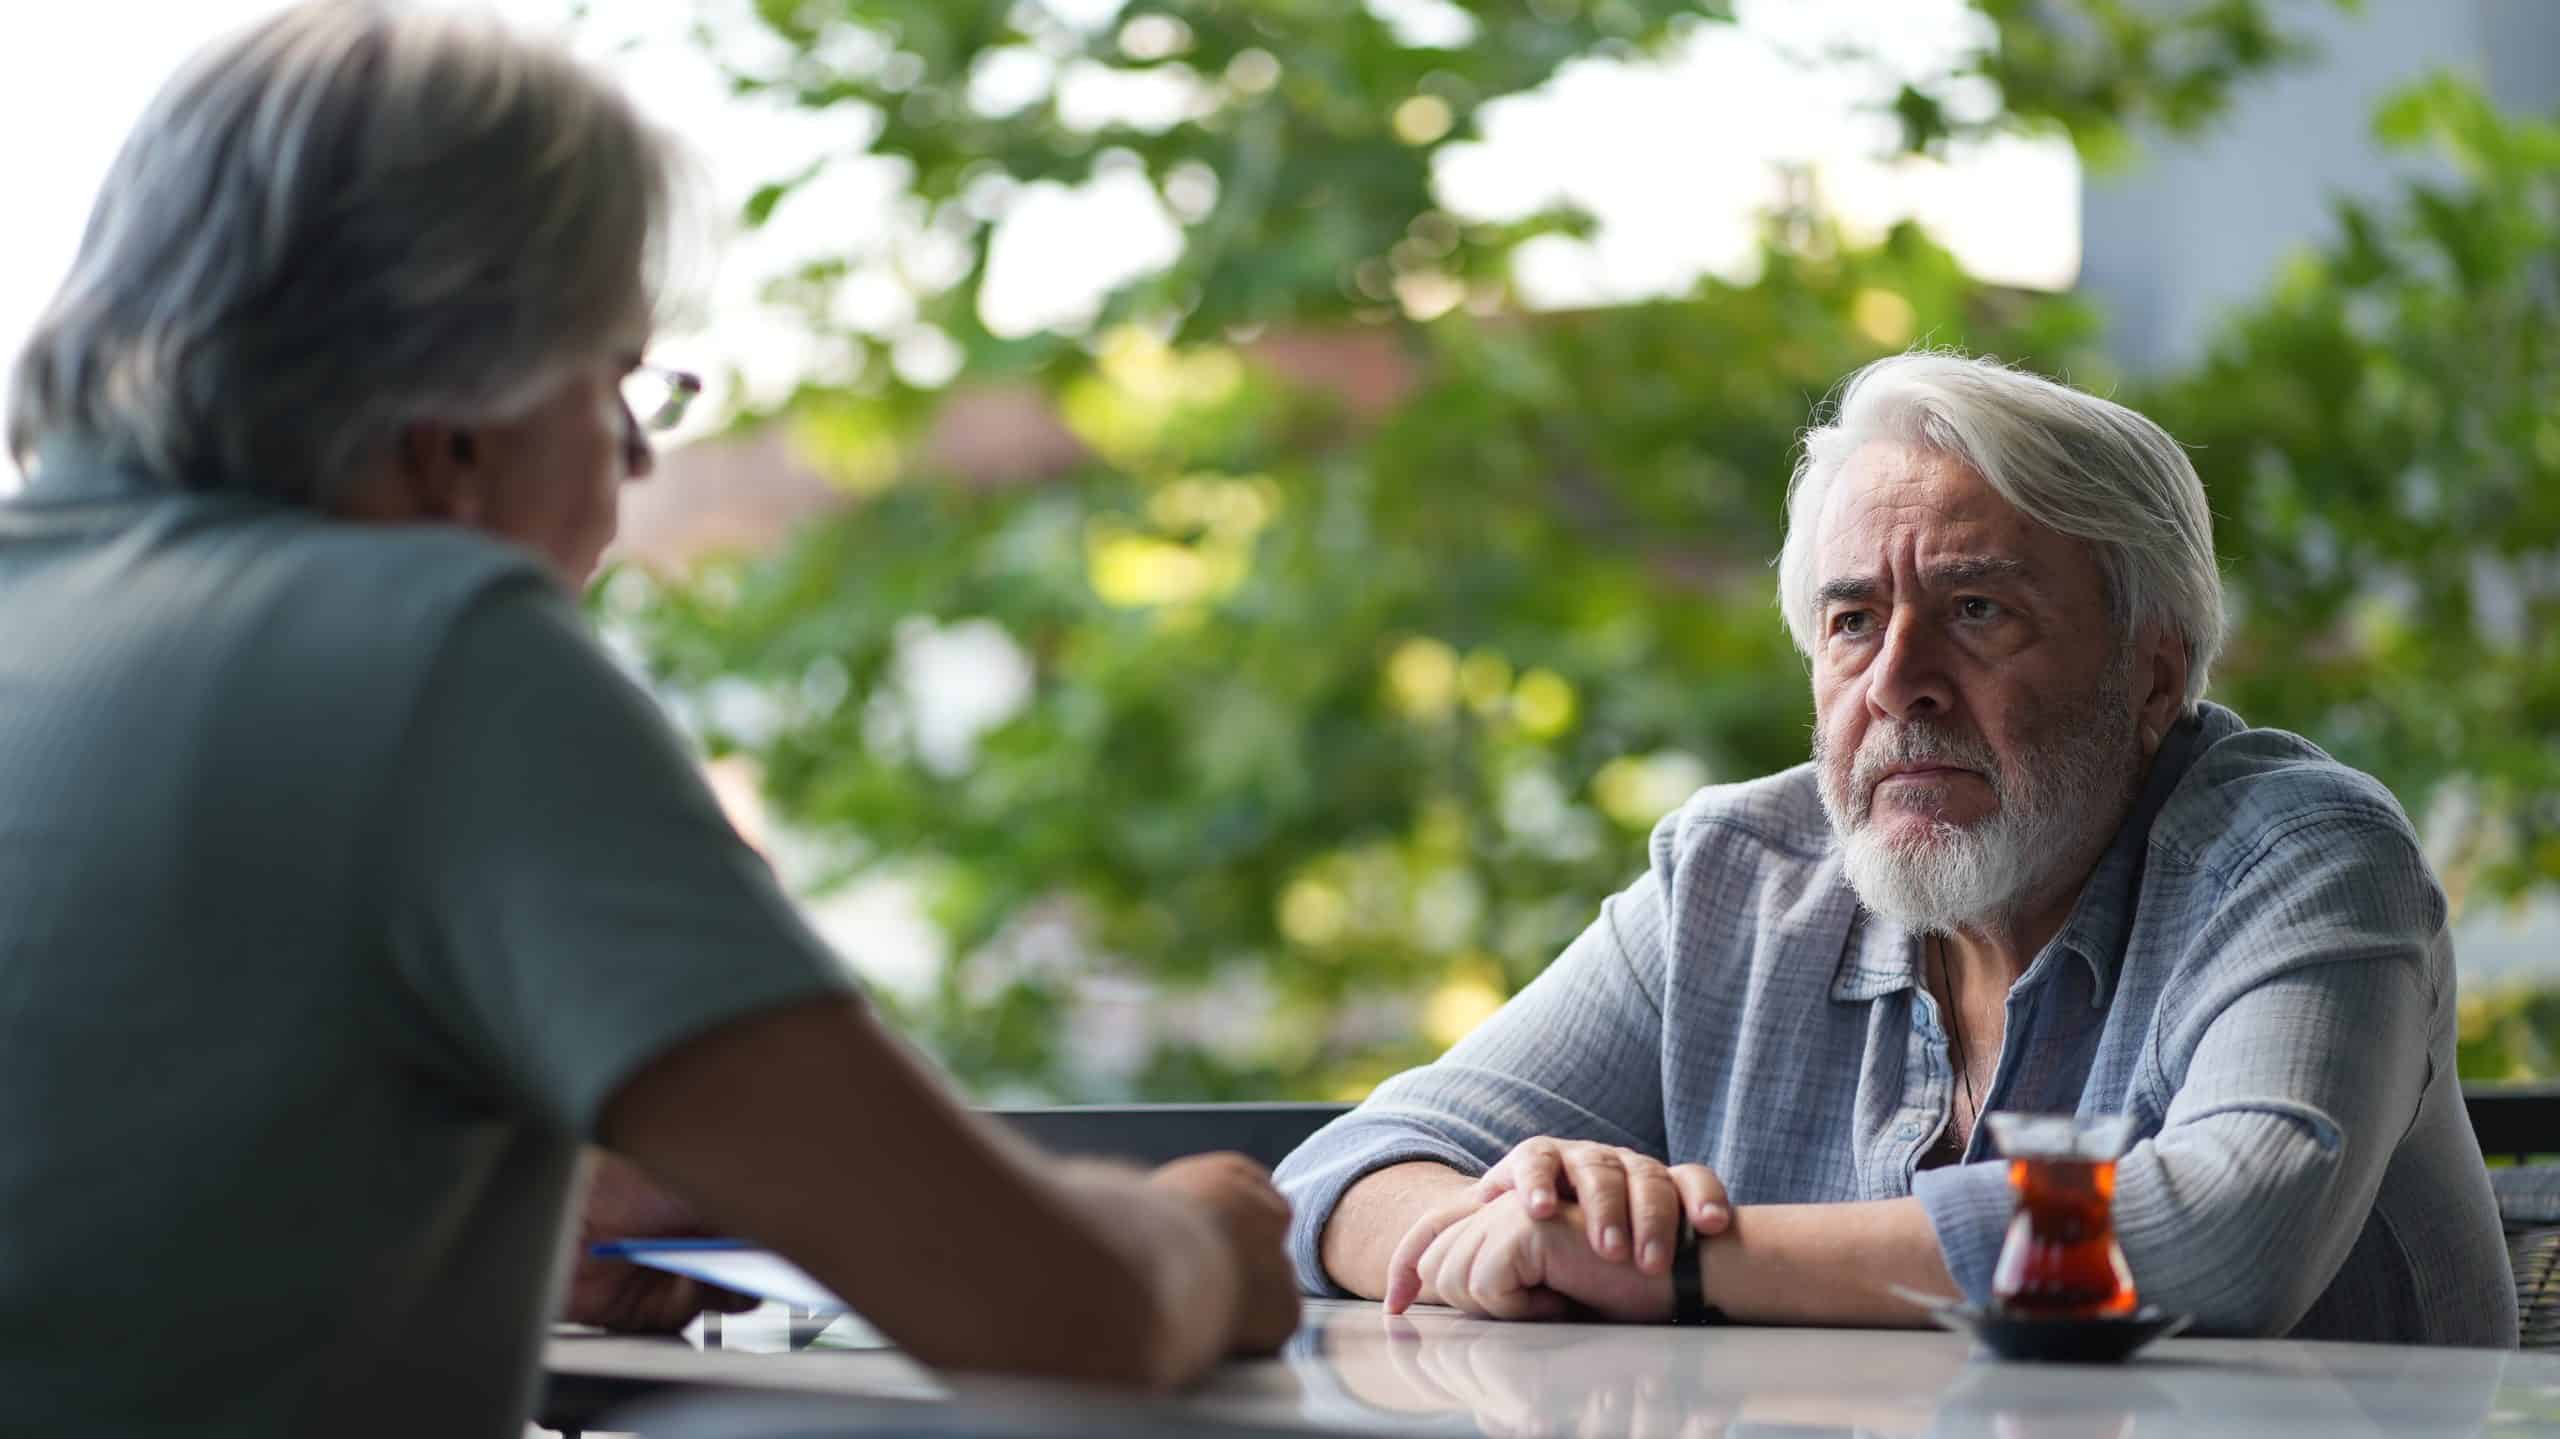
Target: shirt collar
{"type": "Point", "coordinates": [1877, 960]}
{"type": "Point", "coordinates": [2102, 920]}
{"type": "Point", "coordinates": [72, 469]}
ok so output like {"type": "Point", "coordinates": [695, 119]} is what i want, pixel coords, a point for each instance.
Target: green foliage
{"type": "Point", "coordinates": [2097, 67]}
{"type": "Point", "coordinates": [1303, 133]}
{"type": "Point", "coordinates": [1338, 727]}
{"type": "Point", "coordinates": [1330, 716]}
{"type": "Point", "coordinates": [2381, 438]}
{"type": "Point", "coordinates": [2511, 1036]}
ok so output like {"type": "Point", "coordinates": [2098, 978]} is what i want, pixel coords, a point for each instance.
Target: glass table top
{"type": "Point", "coordinates": [1354, 1369]}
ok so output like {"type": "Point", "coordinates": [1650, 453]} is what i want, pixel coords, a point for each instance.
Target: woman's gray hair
{"type": "Point", "coordinates": [346, 220]}
{"type": "Point", "coordinates": [2068, 460]}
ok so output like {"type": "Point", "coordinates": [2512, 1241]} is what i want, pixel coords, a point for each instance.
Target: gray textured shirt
{"type": "Point", "coordinates": [342, 881]}
{"type": "Point", "coordinates": [2257, 971]}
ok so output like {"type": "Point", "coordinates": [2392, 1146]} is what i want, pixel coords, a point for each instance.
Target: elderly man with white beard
{"type": "Point", "coordinates": [2029, 868]}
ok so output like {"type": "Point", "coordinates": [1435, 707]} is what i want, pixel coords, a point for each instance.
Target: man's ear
{"type": "Point", "coordinates": [438, 472]}
{"type": "Point", "coordinates": [2159, 684]}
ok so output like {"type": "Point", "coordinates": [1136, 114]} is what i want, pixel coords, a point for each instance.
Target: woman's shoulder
{"type": "Point", "coordinates": [268, 601]}
{"type": "Point", "coordinates": [318, 552]}
{"type": "Point", "coordinates": [334, 585]}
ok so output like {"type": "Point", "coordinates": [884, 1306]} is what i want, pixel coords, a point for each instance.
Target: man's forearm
{"type": "Point", "coordinates": [1375, 1213]}
{"type": "Point", "coordinates": [1775, 1264]}
{"type": "Point", "coordinates": [1824, 1263]}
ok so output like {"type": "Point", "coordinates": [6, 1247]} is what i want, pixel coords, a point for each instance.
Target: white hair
{"type": "Point", "coordinates": [2066, 459]}
{"type": "Point", "coordinates": [343, 221]}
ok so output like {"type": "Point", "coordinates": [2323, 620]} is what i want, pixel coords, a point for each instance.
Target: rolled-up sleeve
{"type": "Point", "coordinates": [1577, 1054]}
{"type": "Point", "coordinates": [2286, 1088]}
{"type": "Point", "coordinates": [1969, 1207]}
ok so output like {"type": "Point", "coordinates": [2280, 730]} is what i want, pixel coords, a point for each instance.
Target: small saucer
{"type": "Point", "coordinates": [2066, 1341]}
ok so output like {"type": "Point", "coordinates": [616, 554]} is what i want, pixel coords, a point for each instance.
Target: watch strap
{"type": "Point", "coordinates": [1689, 1283]}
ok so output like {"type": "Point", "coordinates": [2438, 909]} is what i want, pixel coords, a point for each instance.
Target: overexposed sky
{"type": "Point", "coordinates": [72, 79]}
{"type": "Point", "coordinates": [1676, 159]}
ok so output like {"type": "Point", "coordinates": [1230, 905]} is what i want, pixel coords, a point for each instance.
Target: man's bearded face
{"type": "Point", "coordinates": [1976, 732]}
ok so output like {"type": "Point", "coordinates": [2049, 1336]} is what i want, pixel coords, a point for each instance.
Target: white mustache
{"type": "Point", "coordinates": [1912, 744]}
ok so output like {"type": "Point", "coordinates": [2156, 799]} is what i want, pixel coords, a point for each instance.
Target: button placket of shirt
{"type": "Point", "coordinates": [2017, 1039]}
{"type": "Point", "coordinates": [1925, 1114]}
{"type": "Point", "coordinates": [2017, 1020]}
{"type": "Point", "coordinates": [2059, 1026]}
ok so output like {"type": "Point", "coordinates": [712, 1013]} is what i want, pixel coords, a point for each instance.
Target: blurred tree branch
{"type": "Point", "coordinates": [1338, 726]}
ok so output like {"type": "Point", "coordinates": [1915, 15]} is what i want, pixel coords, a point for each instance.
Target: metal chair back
{"type": "Point", "coordinates": [1150, 1134]}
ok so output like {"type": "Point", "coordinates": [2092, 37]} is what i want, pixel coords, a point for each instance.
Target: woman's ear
{"type": "Point", "coordinates": [436, 473]}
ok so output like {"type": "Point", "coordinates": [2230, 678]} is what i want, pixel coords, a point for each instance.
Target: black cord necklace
{"type": "Point", "coordinates": [1955, 1027]}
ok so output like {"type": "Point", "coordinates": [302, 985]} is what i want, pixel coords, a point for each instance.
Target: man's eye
{"type": "Point", "coordinates": [1978, 609]}
{"type": "Point", "coordinates": [1852, 622]}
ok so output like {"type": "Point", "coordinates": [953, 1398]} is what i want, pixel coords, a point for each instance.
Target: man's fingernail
{"type": "Point", "coordinates": [1713, 1214]}
{"type": "Point", "coordinates": [1543, 1199]}
{"type": "Point", "coordinates": [1652, 1253]}
{"type": "Point", "coordinates": [1611, 1240]}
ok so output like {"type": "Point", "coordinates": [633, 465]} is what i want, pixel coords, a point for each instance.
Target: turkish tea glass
{"type": "Point", "coordinates": [2060, 1259]}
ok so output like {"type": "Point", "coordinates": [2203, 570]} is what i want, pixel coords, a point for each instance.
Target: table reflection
{"type": "Point", "coordinates": [1583, 1379]}
{"type": "Point", "coordinates": [1355, 1369]}
{"type": "Point", "coordinates": [1437, 1371]}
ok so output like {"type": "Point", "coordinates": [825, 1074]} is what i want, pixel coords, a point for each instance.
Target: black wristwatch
{"type": "Point", "coordinates": [1689, 1284]}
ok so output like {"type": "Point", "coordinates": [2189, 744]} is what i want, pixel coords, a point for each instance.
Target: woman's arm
{"type": "Point", "coordinates": [812, 1130]}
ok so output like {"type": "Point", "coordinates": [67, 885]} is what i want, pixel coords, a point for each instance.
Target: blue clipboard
{"type": "Point", "coordinates": [732, 1264]}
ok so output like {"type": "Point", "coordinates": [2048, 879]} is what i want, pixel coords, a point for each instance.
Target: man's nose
{"type": "Point", "coordinates": [1909, 677]}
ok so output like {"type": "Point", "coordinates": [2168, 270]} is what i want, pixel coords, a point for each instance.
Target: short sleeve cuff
{"type": "Point", "coordinates": [649, 1034]}
{"type": "Point", "coordinates": [1969, 1206]}
{"type": "Point", "coordinates": [1315, 1191]}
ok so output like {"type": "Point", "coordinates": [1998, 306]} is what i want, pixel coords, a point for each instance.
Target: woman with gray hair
{"type": "Point", "coordinates": [345, 886]}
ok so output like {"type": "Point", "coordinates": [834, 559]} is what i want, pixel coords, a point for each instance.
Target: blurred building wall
{"type": "Point", "coordinates": [2196, 227]}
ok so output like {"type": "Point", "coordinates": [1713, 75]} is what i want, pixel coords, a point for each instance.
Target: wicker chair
{"type": "Point", "coordinates": [2520, 1124]}
{"type": "Point", "coordinates": [2529, 1205]}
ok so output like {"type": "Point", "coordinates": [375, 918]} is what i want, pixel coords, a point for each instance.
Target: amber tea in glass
{"type": "Point", "coordinates": [2061, 1259]}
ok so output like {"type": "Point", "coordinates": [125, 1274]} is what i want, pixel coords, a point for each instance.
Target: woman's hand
{"type": "Point", "coordinates": [1254, 1217]}
{"type": "Point", "coordinates": [621, 1203]}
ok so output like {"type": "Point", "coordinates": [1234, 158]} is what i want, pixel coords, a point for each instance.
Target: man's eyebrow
{"type": "Point", "coordinates": [1946, 574]}
{"type": "Point", "coordinates": [1974, 569]}
{"type": "Point", "coordinates": [1847, 587]}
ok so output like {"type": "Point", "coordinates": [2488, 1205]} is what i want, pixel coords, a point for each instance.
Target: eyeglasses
{"type": "Point", "coordinates": [658, 397]}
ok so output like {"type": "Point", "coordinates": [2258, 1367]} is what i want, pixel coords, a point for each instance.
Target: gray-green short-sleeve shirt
{"type": "Point", "coordinates": [342, 881]}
